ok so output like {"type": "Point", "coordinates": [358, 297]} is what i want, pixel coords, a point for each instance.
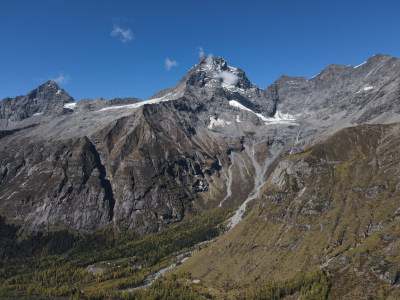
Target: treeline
{"type": "Point", "coordinates": [313, 286]}
{"type": "Point", "coordinates": [56, 262]}
{"type": "Point", "coordinates": [171, 287]}
{"type": "Point", "coordinates": [37, 243]}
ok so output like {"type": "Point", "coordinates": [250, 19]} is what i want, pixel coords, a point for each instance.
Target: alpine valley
{"type": "Point", "coordinates": [211, 189]}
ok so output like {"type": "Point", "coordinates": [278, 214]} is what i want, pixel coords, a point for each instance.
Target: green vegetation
{"type": "Point", "coordinates": [314, 286]}
{"type": "Point", "coordinates": [101, 264]}
{"type": "Point", "coordinates": [171, 287]}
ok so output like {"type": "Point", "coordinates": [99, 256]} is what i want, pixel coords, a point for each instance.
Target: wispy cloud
{"type": "Point", "coordinates": [170, 63]}
{"type": "Point", "coordinates": [209, 60]}
{"type": "Point", "coordinates": [228, 78]}
{"type": "Point", "coordinates": [201, 52]}
{"type": "Point", "coordinates": [124, 34]}
{"type": "Point", "coordinates": [213, 70]}
{"type": "Point", "coordinates": [62, 78]}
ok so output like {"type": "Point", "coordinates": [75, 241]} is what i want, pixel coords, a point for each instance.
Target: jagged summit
{"type": "Point", "coordinates": [216, 70]}
{"type": "Point", "coordinates": [213, 72]}
{"type": "Point", "coordinates": [50, 88]}
{"type": "Point", "coordinates": [48, 98]}
{"type": "Point", "coordinates": [214, 82]}
{"type": "Point", "coordinates": [50, 83]}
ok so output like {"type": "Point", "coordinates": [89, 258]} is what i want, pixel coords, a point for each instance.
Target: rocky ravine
{"type": "Point", "coordinates": [211, 140]}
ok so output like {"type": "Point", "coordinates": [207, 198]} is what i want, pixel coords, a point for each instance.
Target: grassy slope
{"type": "Point", "coordinates": [335, 206]}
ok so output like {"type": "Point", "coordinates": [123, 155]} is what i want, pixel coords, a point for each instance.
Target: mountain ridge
{"type": "Point", "coordinates": [215, 107]}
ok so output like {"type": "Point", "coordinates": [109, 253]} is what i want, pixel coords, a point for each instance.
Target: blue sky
{"type": "Point", "coordinates": [119, 48]}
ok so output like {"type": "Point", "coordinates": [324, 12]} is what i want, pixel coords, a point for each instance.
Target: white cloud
{"type": "Point", "coordinates": [209, 60]}
{"type": "Point", "coordinates": [201, 52]}
{"type": "Point", "coordinates": [228, 78]}
{"type": "Point", "coordinates": [125, 35]}
{"type": "Point", "coordinates": [61, 78]}
{"type": "Point", "coordinates": [170, 63]}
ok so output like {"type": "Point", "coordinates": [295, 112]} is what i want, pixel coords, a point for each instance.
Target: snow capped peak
{"type": "Point", "coordinates": [218, 69]}
{"type": "Point", "coordinates": [212, 63]}
{"type": "Point", "coordinates": [216, 64]}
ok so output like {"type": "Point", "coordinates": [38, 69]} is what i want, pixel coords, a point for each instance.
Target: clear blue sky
{"type": "Point", "coordinates": [105, 48]}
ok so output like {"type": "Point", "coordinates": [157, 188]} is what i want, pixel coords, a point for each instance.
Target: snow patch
{"type": "Point", "coordinates": [70, 105]}
{"type": "Point", "coordinates": [234, 88]}
{"type": "Point", "coordinates": [136, 105]}
{"type": "Point", "coordinates": [58, 92]}
{"type": "Point", "coordinates": [367, 88]}
{"type": "Point", "coordinates": [278, 118]}
{"type": "Point", "coordinates": [217, 122]}
{"type": "Point", "coordinates": [238, 105]}
{"type": "Point", "coordinates": [237, 119]}
{"type": "Point", "coordinates": [360, 65]}
{"type": "Point", "coordinates": [38, 114]}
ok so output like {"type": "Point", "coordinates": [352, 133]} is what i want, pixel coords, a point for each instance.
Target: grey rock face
{"type": "Point", "coordinates": [211, 140]}
{"type": "Point", "coordinates": [354, 95]}
{"type": "Point", "coordinates": [48, 98]}
{"type": "Point", "coordinates": [56, 184]}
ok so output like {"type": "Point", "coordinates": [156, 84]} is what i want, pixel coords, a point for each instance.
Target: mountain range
{"type": "Point", "coordinates": [307, 168]}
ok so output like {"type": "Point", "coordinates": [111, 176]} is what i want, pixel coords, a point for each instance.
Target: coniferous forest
{"type": "Point", "coordinates": [106, 263]}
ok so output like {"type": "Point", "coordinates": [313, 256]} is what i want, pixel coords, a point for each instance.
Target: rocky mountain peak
{"type": "Point", "coordinates": [379, 58]}
{"type": "Point", "coordinates": [214, 82]}
{"type": "Point", "coordinates": [212, 78]}
{"type": "Point", "coordinates": [216, 70]}
{"type": "Point", "coordinates": [46, 99]}
{"type": "Point", "coordinates": [50, 84]}
{"type": "Point", "coordinates": [217, 64]}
